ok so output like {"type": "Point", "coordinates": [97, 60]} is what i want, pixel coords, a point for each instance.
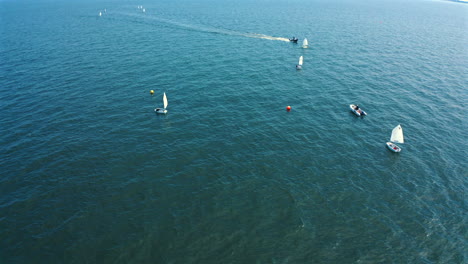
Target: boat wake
{"type": "Point", "coordinates": [261, 36]}
{"type": "Point", "coordinates": [202, 28]}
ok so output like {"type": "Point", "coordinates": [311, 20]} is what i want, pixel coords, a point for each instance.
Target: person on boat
{"type": "Point", "coordinates": [358, 110]}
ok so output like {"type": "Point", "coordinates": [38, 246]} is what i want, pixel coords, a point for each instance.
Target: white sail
{"type": "Point", "coordinates": [165, 101]}
{"type": "Point", "coordinates": [397, 135]}
{"type": "Point", "coordinates": [300, 60]}
{"type": "Point", "coordinates": [305, 43]}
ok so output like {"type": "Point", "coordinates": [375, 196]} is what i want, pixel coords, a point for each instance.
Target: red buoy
{"type": "Point", "coordinates": [288, 108]}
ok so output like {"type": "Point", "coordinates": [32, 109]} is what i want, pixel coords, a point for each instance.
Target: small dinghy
{"type": "Point", "coordinates": [356, 110]}
{"type": "Point", "coordinates": [162, 110]}
{"type": "Point", "coordinates": [305, 44]}
{"type": "Point", "coordinates": [393, 147]}
{"type": "Point", "coordinates": [396, 137]}
{"type": "Point", "coordinates": [299, 65]}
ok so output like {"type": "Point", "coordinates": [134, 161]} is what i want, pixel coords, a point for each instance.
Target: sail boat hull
{"type": "Point", "coordinates": [393, 147]}
{"type": "Point", "coordinates": [160, 111]}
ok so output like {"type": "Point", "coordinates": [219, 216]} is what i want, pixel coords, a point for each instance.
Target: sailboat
{"type": "Point", "coordinates": [397, 137]}
{"type": "Point", "coordinates": [299, 66]}
{"type": "Point", "coordinates": [100, 13]}
{"type": "Point", "coordinates": [305, 43]}
{"type": "Point", "coordinates": [162, 110]}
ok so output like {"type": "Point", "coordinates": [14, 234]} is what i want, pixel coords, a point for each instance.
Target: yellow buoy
{"type": "Point", "coordinates": [151, 92]}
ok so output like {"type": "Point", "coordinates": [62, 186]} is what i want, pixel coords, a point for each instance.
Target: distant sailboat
{"type": "Point", "coordinates": [299, 65]}
{"type": "Point", "coordinates": [305, 43]}
{"type": "Point", "coordinates": [144, 10]}
{"type": "Point", "coordinates": [396, 137]}
{"type": "Point", "coordinates": [162, 110]}
{"type": "Point", "coordinates": [100, 13]}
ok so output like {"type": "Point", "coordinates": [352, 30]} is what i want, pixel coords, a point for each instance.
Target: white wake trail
{"type": "Point", "coordinates": [203, 28]}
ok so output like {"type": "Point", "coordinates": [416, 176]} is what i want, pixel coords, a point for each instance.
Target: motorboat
{"type": "Point", "coordinates": [357, 111]}
{"type": "Point", "coordinates": [294, 40]}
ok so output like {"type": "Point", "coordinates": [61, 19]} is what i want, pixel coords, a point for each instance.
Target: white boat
{"type": "Point", "coordinates": [356, 110]}
{"type": "Point", "coordinates": [305, 43]}
{"type": "Point", "coordinates": [162, 110]}
{"type": "Point", "coordinates": [144, 10]}
{"type": "Point", "coordinates": [100, 13]}
{"type": "Point", "coordinates": [396, 137]}
{"type": "Point", "coordinates": [299, 65]}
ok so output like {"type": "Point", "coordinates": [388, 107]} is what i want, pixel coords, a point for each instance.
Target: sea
{"type": "Point", "coordinates": [89, 173]}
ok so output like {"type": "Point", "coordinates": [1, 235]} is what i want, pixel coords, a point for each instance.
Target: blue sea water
{"type": "Point", "coordinates": [90, 174]}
